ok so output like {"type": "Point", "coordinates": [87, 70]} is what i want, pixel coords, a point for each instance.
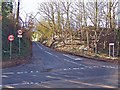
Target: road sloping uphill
{"type": "Point", "coordinates": [51, 69]}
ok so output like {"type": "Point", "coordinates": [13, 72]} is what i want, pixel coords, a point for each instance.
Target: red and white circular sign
{"type": "Point", "coordinates": [10, 37]}
{"type": "Point", "coordinates": [20, 32]}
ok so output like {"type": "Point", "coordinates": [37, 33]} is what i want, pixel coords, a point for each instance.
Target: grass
{"type": "Point", "coordinates": [88, 53]}
{"type": "Point", "coordinates": [25, 51]}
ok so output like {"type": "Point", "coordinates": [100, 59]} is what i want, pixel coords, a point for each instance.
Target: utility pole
{"type": "Point", "coordinates": [17, 18]}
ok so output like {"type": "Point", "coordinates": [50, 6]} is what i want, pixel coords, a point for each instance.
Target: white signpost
{"type": "Point", "coordinates": [10, 38]}
{"type": "Point", "coordinates": [19, 36]}
{"type": "Point", "coordinates": [113, 49]}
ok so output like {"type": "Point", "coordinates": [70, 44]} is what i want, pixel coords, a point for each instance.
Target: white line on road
{"type": "Point", "coordinates": [76, 68]}
{"type": "Point", "coordinates": [8, 73]}
{"type": "Point", "coordinates": [31, 71]}
{"type": "Point", "coordinates": [46, 51]}
{"type": "Point", "coordinates": [73, 62]}
{"type": "Point", "coordinates": [85, 65]}
{"type": "Point", "coordinates": [15, 84]}
{"type": "Point", "coordinates": [64, 69]}
{"type": "Point", "coordinates": [68, 56]}
{"type": "Point", "coordinates": [7, 86]}
{"type": "Point", "coordinates": [4, 76]}
{"type": "Point", "coordinates": [49, 53]}
{"type": "Point", "coordinates": [78, 58]}
{"type": "Point", "coordinates": [50, 76]}
{"type": "Point", "coordinates": [56, 56]}
{"type": "Point", "coordinates": [72, 57]}
{"type": "Point", "coordinates": [108, 67]}
{"type": "Point", "coordinates": [20, 72]}
{"type": "Point", "coordinates": [37, 71]}
{"type": "Point", "coordinates": [39, 46]}
{"type": "Point", "coordinates": [75, 59]}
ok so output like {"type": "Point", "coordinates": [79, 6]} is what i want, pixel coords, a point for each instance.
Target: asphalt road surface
{"type": "Point", "coordinates": [51, 69]}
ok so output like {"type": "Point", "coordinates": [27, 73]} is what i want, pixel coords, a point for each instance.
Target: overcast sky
{"type": "Point", "coordinates": [29, 6]}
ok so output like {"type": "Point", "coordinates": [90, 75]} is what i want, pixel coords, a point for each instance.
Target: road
{"type": "Point", "coordinates": [51, 69]}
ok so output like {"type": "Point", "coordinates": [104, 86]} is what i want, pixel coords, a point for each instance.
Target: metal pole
{"type": "Point", "coordinates": [113, 51]}
{"type": "Point", "coordinates": [109, 50]}
{"type": "Point", "coordinates": [19, 46]}
{"type": "Point", "coordinates": [10, 49]}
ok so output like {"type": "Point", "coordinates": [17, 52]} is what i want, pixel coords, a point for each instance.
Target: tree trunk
{"type": "Point", "coordinates": [119, 41]}
{"type": "Point", "coordinates": [85, 25]}
{"type": "Point", "coordinates": [110, 14]}
{"type": "Point", "coordinates": [104, 44]}
{"type": "Point", "coordinates": [87, 36]}
{"type": "Point", "coordinates": [96, 25]}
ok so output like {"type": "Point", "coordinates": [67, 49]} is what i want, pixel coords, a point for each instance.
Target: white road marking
{"type": "Point", "coordinates": [14, 84]}
{"type": "Point", "coordinates": [37, 71]}
{"type": "Point", "coordinates": [76, 68]}
{"type": "Point", "coordinates": [9, 73]}
{"type": "Point", "coordinates": [108, 66]}
{"type": "Point", "coordinates": [73, 62]}
{"type": "Point", "coordinates": [4, 76]}
{"type": "Point", "coordinates": [45, 86]}
{"type": "Point", "coordinates": [64, 69]}
{"type": "Point", "coordinates": [68, 56]}
{"type": "Point", "coordinates": [49, 53]}
{"type": "Point", "coordinates": [39, 46]}
{"type": "Point", "coordinates": [19, 72]}
{"type": "Point", "coordinates": [9, 86]}
{"type": "Point", "coordinates": [89, 84]}
{"type": "Point", "coordinates": [36, 83]}
{"type": "Point", "coordinates": [56, 56]}
{"type": "Point", "coordinates": [95, 66]}
{"type": "Point", "coordinates": [82, 68]}
{"type": "Point", "coordinates": [72, 57]}
{"type": "Point", "coordinates": [31, 71]}
{"type": "Point", "coordinates": [50, 77]}
{"type": "Point", "coordinates": [69, 68]}
{"type": "Point", "coordinates": [27, 72]}
{"type": "Point", "coordinates": [84, 65]}
{"type": "Point", "coordinates": [31, 83]}
{"type": "Point", "coordinates": [78, 58]}
{"type": "Point", "coordinates": [45, 51]}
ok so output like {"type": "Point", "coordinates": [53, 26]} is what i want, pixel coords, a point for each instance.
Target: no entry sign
{"type": "Point", "coordinates": [10, 37]}
{"type": "Point", "coordinates": [20, 32]}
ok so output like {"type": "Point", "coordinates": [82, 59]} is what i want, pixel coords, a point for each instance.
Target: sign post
{"type": "Point", "coordinates": [10, 50]}
{"type": "Point", "coordinates": [19, 46]}
{"type": "Point", "coordinates": [113, 50]}
{"type": "Point", "coordinates": [19, 36]}
{"type": "Point", "coordinates": [10, 38]}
